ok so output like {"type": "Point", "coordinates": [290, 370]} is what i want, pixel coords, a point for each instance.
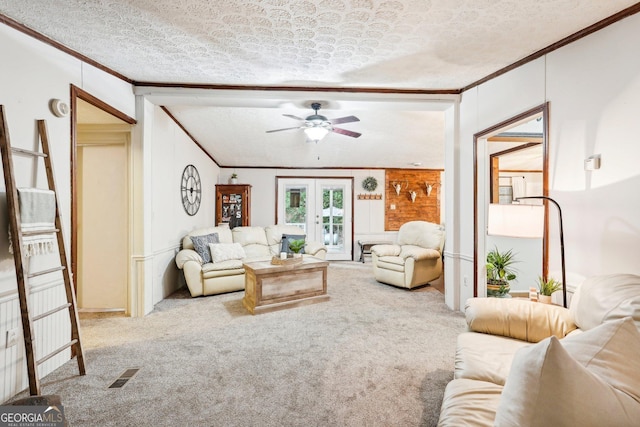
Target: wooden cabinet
{"type": "Point", "coordinates": [233, 204]}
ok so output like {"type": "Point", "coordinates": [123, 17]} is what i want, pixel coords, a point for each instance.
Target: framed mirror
{"type": "Point", "coordinates": [511, 161]}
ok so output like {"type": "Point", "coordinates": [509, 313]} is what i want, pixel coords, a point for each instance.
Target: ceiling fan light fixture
{"type": "Point", "coordinates": [317, 126]}
{"type": "Point", "coordinates": [316, 133]}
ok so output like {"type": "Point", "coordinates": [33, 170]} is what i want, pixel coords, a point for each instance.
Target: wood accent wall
{"type": "Point", "coordinates": [425, 208]}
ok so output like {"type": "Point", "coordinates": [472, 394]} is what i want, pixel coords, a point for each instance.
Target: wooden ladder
{"type": "Point", "coordinates": [19, 256]}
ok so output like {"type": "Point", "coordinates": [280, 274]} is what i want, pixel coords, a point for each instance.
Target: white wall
{"type": "Point", "coordinates": [159, 153]}
{"type": "Point", "coordinates": [32, 74]}
{"type": "Point", "coordinates": [455, 283]}
{"type": "Point", "coordinates": [171, 151]}
{"type": "Point", "coordinates": [593, 87]}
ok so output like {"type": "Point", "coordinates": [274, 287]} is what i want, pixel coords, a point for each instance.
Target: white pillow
{"type": "Point", "coordinates": [611, 351]}
{"type": "Point", "coordinates": [603, 298]}
{"type": "Point", "coordinates": [226, 251]}
{"type": "Point", "coordinates": [547, 387]}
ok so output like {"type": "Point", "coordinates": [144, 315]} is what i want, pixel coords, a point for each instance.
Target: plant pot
{"type": "Point", "coordinates": [545, 299]}
{"type": "Point", "coordinates": [297, 255]}
{"type": "Point", "coordinates": [233, 180]}
{"type": "Point", "coordinates": [498, 289]}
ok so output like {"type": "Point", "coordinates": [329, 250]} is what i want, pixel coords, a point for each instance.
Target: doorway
{"type": "Point", "coordinates": [100, 205]}
{"type": "Point", "coordinates": [322, 207]}
{"type": "Point", "coordinates": [511, 160]}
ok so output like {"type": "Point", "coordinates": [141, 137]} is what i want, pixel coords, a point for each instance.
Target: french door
{"type": "Point", "coordinates": [322, 207]}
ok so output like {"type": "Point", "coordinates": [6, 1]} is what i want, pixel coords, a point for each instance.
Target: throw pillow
{"type": "Point", "coordinates": [602, 298]}
{"type": "Point", "coordinates": [547, 387]}
{"type": "Point", "coordinates": [226, 251]}
{"type": "Point", "coordinates": [286, 238]}
{"type": "Point", "coordinates": [611, 351]}
{"type": "Point", "coordinates": [201, 245]}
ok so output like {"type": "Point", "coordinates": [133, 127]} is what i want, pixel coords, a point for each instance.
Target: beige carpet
{"type": "Point", "coordinates": [373, 355]}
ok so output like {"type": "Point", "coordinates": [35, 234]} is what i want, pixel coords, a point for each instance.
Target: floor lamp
{"type": "Point", "coordinates": [525, 221]}
{"type": "Point", "coordinates": [564, 274]}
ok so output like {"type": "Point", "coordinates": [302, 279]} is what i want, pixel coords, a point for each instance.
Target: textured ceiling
{"type": "Point", "coordinates": [382, 44]}
{"type": "Point", "coordinates": [426, 44]}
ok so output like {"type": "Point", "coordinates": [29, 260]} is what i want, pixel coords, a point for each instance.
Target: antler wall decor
{"type": "Point", "coordinates": [429, 188]}
{"type": "Point", "coordinates": [401, 206]}
{"type": "Point", "coordinates": [398, 186]}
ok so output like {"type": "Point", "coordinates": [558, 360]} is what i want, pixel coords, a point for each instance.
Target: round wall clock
{"type": "Point", "coordinates": [190, 190]}
{"type": "Point", "coordinates": [370, 183]}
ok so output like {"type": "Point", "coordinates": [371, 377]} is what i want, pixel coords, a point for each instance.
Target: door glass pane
{"type": "Point", "coordinates": [295, 206]}
{"type": "Point", "coordinates": [333, 216]}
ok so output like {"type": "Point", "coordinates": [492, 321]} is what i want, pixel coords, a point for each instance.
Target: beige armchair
{"type": "Point", "coordinates": [415, 260]}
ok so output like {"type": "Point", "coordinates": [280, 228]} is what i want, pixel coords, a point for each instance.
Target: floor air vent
{"type": "Point", "coordinates": [126, 376]}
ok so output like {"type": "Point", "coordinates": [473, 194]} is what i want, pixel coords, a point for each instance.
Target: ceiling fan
{"type": "Point", "coordinates": [317, 126]}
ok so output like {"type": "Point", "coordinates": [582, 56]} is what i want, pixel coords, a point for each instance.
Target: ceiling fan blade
{"type": "Point", "coordinates": [278, 130]}
{"type": "Point", "coordinates": [291, 116]}
{"type": "Point", "coordinates": [347, 119]}
{"type": "Point", "coordinates": [346, 132]}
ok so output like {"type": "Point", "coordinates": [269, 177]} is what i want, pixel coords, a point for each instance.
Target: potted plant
{"type": "Point", "coordinates": [234, 178]}
{"type": "Point", "coordinates": [546, 288]}
{"type": "Point", "coordinates": [296, 246]}
{"type": "Point", "coordinates": [500, 272]}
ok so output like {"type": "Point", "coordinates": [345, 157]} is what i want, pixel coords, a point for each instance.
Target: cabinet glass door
{"type": "Point", "coordinates": [232, 209]}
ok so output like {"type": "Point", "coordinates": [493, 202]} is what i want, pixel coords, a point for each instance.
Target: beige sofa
{"type": "Point", "coordinates": [524, 363]}
{"type": "Point", "coordinates": [415, 260]}
{"type": "Point", "coordinates": [235, 246]}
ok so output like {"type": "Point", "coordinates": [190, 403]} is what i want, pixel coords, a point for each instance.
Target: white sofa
{"type": "Point", "coordinates": [524, 363]}
{"type": "Point", "coordinates": [415, 260]}
{"type": "Point", "coordinates": [210, 277]}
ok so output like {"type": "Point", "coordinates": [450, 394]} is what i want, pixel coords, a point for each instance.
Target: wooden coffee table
{"type": "Point", "coordinates": [271, 287]}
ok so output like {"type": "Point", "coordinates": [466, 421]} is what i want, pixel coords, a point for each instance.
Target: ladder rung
{"type": "Point", "coordinates": [28, 152]}
{"type": "Point", "coordinates": [50, 312]}
{"type": "Point", "coordinates": [35, 233]}
{"type": "Point", "coordinates": [43, 272]}
{"type": "Point", "coordinates": [56, 351]}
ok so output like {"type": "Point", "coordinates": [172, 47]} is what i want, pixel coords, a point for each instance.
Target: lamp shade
{"type": "Point", "coordinates": [316, 133]}
{"type": "Point", "coordinates": [526, 221]}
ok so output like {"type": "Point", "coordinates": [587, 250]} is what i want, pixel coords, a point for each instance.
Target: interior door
{"type": "Point", "coordinates": [102, 221]}
{"type": "Point", "coordinates": [322, 207]}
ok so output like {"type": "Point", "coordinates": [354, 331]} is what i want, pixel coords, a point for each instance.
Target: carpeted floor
{"type": "Point", "coordinates": [373, 355]}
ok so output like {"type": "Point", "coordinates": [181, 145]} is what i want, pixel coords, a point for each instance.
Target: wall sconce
{"type": "Point", "coordinates": [413, 195]}
{"type": "Point", "coordinates": [592, 163]}
{"type": "Point", "coordinates": [429, 188]}
{"type": "Point", "coordinates": [398, 186]}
